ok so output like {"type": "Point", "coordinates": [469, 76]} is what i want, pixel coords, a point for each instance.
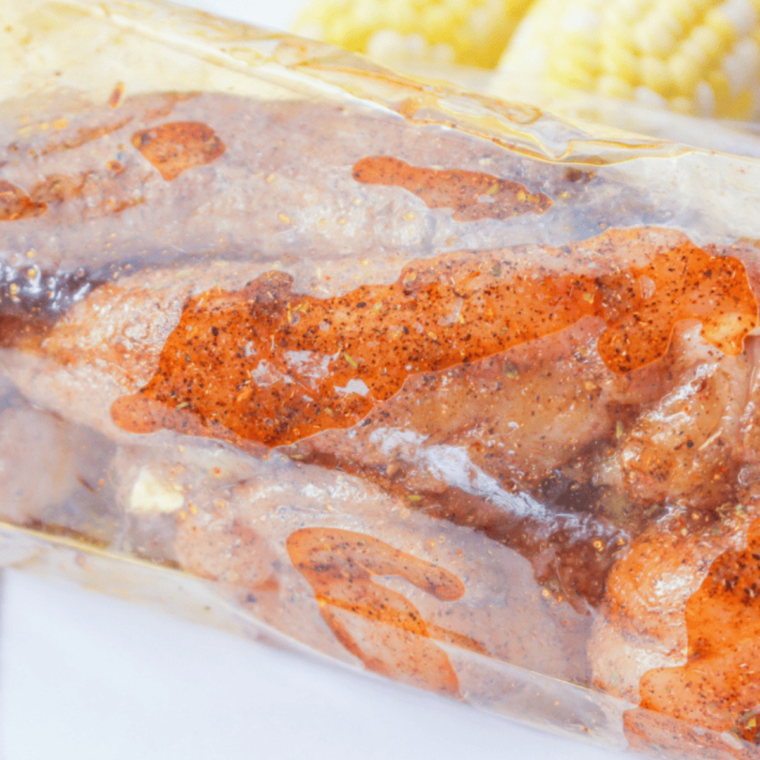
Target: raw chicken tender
{"type": "Point", "coordinates": [254, 526]}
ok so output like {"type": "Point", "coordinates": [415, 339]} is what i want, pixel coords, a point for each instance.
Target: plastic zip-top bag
{"type": "Point", "coordinates": [441, 387]}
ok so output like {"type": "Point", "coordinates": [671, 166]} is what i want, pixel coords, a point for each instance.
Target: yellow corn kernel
{"type": "Point", "coordinates": [437, 21]}
{"type": "Point", "coordinates": [686, 12]}
{"type": "Point", "coordinates": [742, 15]}
{"type": "Point", "coordinates": [742, 65]}
{"type": "Point", "coordinates": [586, 58]}
{"type": "Point", "coordinates": [459, 7]}
{"type": "Point", "coordinates": [657, 34]}
{"type": "Point", "coordinates": [630, 11]}
{"type": "Point", "coordinates": [680, 104]}
{"type": "Point", "coordinates": [464, 39]}
{"type": "Point", "coordinates": [342, 28]}
{"type": "Point", "coordinates": [741, 106]}
{"type": "Point", "coordinates": [364, 15]}
{"type": "Point", "coordinates": [570, 73]}
{"type": "Point", "coordinates": [685, 72]}
{"type": "Point", "coordinates": [720, 87]}
{"type": "Point", "coordinates": [655, 74]}
{"type": "Point", "coordinates": [705, 102]}
{"type": "Point", "coordinates": [619, 63]}
{"type": "Point", "coordinates": [717, 21]}
{"type": "Point", "coordinates": [617, 35]}
{"type": "Point", "coordinates": [710, 42]}
{"type": "Point", "coordinates": [405, 20]}
{"type": "Point", "coordinates": [615, 87]}
{"type": "Point", "coordinates": [650, 98]}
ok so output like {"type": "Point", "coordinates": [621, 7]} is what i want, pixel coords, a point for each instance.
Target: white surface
{"type": "Point", "coordinates": [88, 677]}
{"type": "Point", "coordinates": [277, 14]}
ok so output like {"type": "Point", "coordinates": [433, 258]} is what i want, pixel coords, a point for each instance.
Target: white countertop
{"type": "Point", "coordinates": [88, 677]}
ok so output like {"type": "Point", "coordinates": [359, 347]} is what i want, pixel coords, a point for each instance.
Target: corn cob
{"type": "Point", "coordinates": [698, 57]}
{"type": "Point", "coordinates": [465, 32]}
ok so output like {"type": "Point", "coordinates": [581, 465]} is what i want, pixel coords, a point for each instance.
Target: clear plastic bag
{"type": "Point", "coordinates": [378, 368]}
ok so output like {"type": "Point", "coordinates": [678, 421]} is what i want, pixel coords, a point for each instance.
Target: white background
{"type": "Point", "coordinates": [86, 677]}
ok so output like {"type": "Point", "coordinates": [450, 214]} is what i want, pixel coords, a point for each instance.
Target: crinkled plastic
{"type": "Point", "coordinates": [437, 386]}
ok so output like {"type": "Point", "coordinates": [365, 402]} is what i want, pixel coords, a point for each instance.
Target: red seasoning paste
{"type": "Point", "coordinates": [268, 365]}
{"type": "Point", "coordinates": [379, 625]}
{"type": "Point", "coordinates": [469, 195]}
{"type": "Point", "coordinates": [178, 146]}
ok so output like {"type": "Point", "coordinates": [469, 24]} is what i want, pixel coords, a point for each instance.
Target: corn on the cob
{"type": "Point", "coordinates": [468, 32]}
{"type": "Point", "coordinates": [699, 57]}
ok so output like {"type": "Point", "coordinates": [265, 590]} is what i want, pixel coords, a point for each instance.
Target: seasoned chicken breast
{"type": "Point", "coordinates": [401, 392]}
